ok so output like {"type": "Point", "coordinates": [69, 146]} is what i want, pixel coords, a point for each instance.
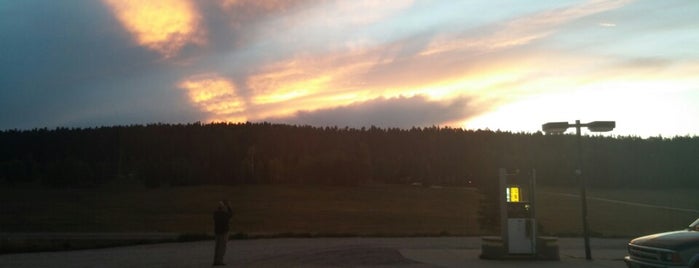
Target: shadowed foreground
{"type": "Point", "coordinates": [319, 252]}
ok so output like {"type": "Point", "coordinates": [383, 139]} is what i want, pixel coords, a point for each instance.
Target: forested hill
{"type": "Point", "coordinates": [251, 153]}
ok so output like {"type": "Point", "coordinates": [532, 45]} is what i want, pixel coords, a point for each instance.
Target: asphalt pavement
{"type": "Point", "coordinates": [321, 252]}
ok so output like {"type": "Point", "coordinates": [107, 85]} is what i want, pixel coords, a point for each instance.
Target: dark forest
{"type": "Point", "coordinates": [264, 153]}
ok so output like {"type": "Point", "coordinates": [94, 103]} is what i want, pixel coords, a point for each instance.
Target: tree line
{"type": "Point", "coordinates": [264, 153]}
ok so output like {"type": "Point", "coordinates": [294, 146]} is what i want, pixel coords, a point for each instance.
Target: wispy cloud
{"type": "Point", "coordinates": [519, 31]}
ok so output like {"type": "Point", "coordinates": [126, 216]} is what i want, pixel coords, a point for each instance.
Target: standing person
{"type": "Point", "coordinates": [222, 219]}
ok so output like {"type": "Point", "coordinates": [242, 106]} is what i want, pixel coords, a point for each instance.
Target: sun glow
{"type": "Point", "coordinates": [630, 102]}
{"type": "Point", "coordinates": [165, 26]}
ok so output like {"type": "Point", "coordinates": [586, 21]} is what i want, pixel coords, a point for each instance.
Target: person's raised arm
{"type": "Point", "coordinates": [228, 206]}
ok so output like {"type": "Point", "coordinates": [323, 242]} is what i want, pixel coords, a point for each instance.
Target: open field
{"type": "Point", "coordinates": [265, 209]}
{"type": "Point", "coordinates": [383, 210]}
{"type": "Point", "coordinates": [561, 214]}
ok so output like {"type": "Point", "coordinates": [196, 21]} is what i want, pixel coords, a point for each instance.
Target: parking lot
{"type": "Point", "coordinates": [320, 252]}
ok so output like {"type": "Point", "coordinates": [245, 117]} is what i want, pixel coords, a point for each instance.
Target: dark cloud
{"type": "Point", "coordinates": [234, 49]}
{"type": "Point", "coordinates": [70, 63]}
{"type": "Point", "coordinates": [401, 112]}
{"type": "Point", "coordinates": [236, 25]}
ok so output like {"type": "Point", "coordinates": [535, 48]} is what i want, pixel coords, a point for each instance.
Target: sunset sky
{"type": "Point", "coordinates": [507, 65]}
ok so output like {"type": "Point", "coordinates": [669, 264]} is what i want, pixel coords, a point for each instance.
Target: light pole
{"type": "Point", "coordinates": [597, 126]}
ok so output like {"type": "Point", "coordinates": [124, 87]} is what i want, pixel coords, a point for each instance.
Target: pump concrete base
{"type": "Point", "coordinates": [493, 248]}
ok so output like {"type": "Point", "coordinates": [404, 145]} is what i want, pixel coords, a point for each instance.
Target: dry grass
{"type": "Point", "coordinates": [259, 209]}
{"type": "Point", "coordinates": [325, 210]}
{"type": "Point", "coordinates": [562, 214]}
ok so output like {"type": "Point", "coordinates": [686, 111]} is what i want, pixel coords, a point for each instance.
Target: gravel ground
{"type": "Point", "coordinates": [319, 252]}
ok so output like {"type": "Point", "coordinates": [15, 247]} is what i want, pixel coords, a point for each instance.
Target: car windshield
{"type": "Point", "coordinates": [695, 225]}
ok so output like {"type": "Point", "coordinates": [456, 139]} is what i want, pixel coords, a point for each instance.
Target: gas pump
{"type": "Point", "coordinates": [518, 237]}
{"type": "Point", "coordinates": [518, 221]}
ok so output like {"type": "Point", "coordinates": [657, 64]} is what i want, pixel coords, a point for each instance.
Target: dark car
{"type": "Point", "coordinates": [671, 249]}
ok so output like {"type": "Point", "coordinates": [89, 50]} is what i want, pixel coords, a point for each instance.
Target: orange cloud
{"type": "Point", "coordinates": [311, 82]}
{"type": "Point", "coordinates": [164, 26]}
{"type": "Point", "coordinates": [310, 77]}
{"type": "Point", "coordinates": [215, 95]}
{"type": "Point", "coordinates": [450, 68]}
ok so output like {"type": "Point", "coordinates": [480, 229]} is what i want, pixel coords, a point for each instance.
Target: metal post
{"type": "Point", "coordinates": [583, 193]}
{"type": "Point", "coordinates": [502, 183]}
{"type": "Point", "coordinates": [532, 202]}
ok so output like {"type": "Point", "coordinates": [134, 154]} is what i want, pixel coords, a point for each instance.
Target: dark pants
{"type": "Point", "coordinates": [221, 241]}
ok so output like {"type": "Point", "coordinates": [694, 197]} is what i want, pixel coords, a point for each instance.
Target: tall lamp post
{"type": "Point", "coordinates": [596, 126]}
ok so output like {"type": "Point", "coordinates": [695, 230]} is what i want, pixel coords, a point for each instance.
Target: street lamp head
{"type": "Point", "coordinates": [555, 127]}
{"type": "Point", "coordinates": [601, 126]}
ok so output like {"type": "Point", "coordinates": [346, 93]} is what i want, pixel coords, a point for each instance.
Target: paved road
{"type": "Point", "coordinates": [320, 252]}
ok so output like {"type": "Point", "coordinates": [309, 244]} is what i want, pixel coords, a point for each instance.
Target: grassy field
{"type": "Point", "coordinates": [259, 210]}
{"type": "Point", "coordinates": [562, 214]}
{"type": "Point", "coordinates": [389, 210]}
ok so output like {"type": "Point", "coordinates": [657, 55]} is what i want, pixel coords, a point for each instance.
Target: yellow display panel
{"type": "Point", "coordinates": [513, 194]}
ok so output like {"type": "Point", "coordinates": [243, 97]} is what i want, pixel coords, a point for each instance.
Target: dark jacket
{"type": "Point", "coordinates": [222, 219]}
